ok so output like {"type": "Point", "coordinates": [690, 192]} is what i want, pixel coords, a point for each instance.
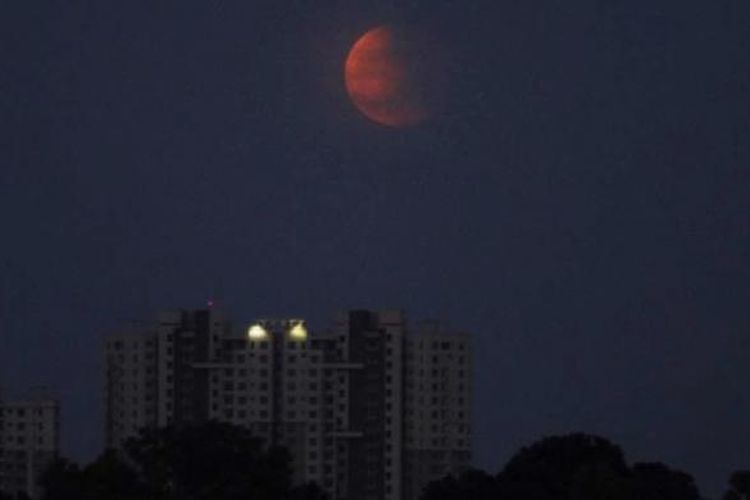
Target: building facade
{"type": "Point", "coordinates": [438, 405]}
{"type": "Point", "coordinates": [368, 409]}
{"type": "Point", "coordinates": [130, 397]}
{"type": "Point", "coordinates": [29, 442]}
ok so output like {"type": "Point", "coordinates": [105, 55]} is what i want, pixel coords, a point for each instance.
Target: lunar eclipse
{"type": "Point", "coordinates": [387, 79]}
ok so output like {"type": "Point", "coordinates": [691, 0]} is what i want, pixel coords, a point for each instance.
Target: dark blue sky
{"type": "Point", "coordinates": [582, 205]}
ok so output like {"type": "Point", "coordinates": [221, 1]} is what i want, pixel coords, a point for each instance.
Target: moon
{"type": "Point", "coordinates": [384, 79]}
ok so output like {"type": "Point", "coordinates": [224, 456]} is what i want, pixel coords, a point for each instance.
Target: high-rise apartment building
{"type": "Point", "coordinates": [130, 383]}
{"type": "Point", "coordinates": [438, 405]}
{"type": "Point", "coordinates": [191, 366]}
{"type": "Point", "coordinates": [368, 410]}
{"type": "Point", "coordinates": [29, 441]}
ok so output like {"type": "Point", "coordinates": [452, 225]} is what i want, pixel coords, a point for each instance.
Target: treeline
{"type": "Point", "coordinates": [220, 461]}
{"type": "Point", "coordinates": [214, 461]}
{"type": "Point", "coordinates": [577, 467]}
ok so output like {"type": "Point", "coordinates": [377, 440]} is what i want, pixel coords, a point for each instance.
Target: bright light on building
{"type": "Point", "coordinates": [257, 332]}
{"type": "Point", "coordinates": [298, 332]}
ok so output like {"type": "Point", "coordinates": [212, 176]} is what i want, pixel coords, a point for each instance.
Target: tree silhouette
{"type": "Point", "coordinates": [213, 461]}
{"type": "Point", "coordinates": [112, 478]}
{"type": "Point", "coordinates": [739, 486]}
{"type": "Point", "coordinates": [307, 491]}
{"type": "Point", "coordinates": [62, 480]}
{"type": "Point", "coordinates": [473, 484]}
{"type": "Point", "coordinates": [560, 466]}
{"type": "Point", "coordinates": [220, 461]}
{"type": "Point", "coordinates": [572, 467]}
{"type": "Point", "coordinates": [20, 495]}
{"type": "Point", "coordinates": [656, 481]}
{"type": "Point", "coordinates": [210, 461]}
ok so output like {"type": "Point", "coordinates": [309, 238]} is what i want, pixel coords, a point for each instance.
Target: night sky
{"type": "Point", "coordinates": [581, 202]}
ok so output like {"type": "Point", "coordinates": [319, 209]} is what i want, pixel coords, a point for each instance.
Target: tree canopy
{"type": "Point", "coordinates": [214, 460]}
{"type": "Point", "coordinates": [210, 461]}
{"type": "Point", "coordinates": [220, 461]}
{"type": "Point", "coordinates": [739, 486]}
{"type": "Point", "coordinates": [555, 467]}
{"type": "Point", "coordinates": [576, 466]}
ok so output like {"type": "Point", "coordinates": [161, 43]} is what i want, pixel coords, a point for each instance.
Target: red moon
{"type": "Point", "coordinates": [381, 81]}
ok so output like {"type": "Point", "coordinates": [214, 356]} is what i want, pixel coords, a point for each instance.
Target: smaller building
{"type": "Point", "coordinates": [29, 441]}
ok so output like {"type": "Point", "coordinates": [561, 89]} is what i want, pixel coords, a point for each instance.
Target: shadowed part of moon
{"type": "Point", "coordinates": [380, 81]}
